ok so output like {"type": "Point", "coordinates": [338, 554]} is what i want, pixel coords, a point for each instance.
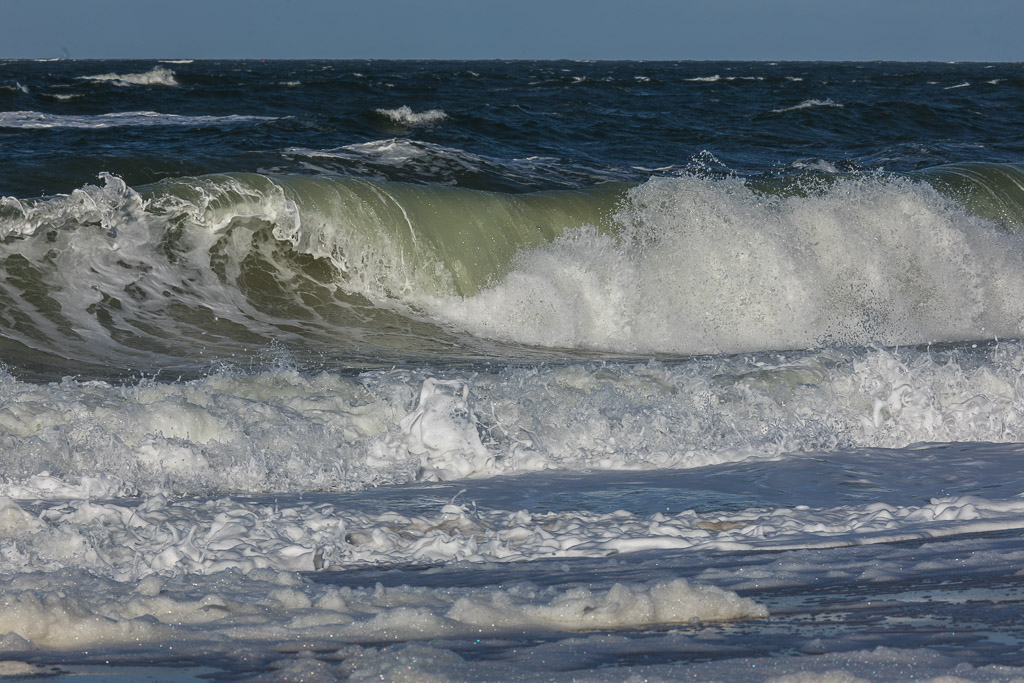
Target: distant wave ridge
{"type": "Point", "coordinates": [809, 104]}
{"type": "Point", "coordinates": [35, 119]}
{"type": "Point", "coordinates": [156, 76]}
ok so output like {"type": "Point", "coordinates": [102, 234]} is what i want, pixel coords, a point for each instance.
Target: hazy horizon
{"type": "Point", "coordinates": [457, 30]}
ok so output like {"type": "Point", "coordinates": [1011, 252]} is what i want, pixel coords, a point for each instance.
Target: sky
{"type": "Point", "coordinates": [908, 30]}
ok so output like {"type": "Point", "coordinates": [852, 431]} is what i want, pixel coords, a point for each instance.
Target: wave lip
{"type": "Point", "coordinates": [156, 76]}
{"type": "Point", "coordinates": [682, 265]}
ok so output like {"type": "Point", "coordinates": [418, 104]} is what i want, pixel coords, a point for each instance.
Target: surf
{"type": "Point", "coordinates": [676, 265]}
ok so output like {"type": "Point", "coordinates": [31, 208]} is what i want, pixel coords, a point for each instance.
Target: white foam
{"type": "Point", "coordinates": [393, 152]}
{"type": "Point", "coordinates": [275, 607]}
{"type": "Point", "coordinates": [14, 668]}
{"type": "Point", "coordinates": [155, 76]}
{"type": "Point", "coordinates": [442, 430]}
{"type": "Point", "coordinates": [34, 119]}
{"type": "Point", "coordinates": [715, 78]}
{"type": "Point", "coordinates": [706, 266]}
{"type": "Point", "coordinates": [406, 116]}
{"type": "Point", "coordinates": [672, 602]}
{"type": "Point", "coordinates": [819, 164]}
{"type": "Point", "coordinates": [128, 541]}
{"type": "Point", "coordinates": [335, 432]}
{"type": "Point", "coordinates": [809, 104]}
{"type": "Point", "coordinates": [46, 486]}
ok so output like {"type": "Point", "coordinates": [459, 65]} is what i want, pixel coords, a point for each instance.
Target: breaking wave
{"type": "Point", "coordinates": [155, 76]}
{"type": "Point", "coordinates": [406, 116]}
{"type": "Point", "coordinates": [682, 265]}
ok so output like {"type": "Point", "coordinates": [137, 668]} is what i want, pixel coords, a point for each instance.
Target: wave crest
{"type": "Point", "coordinates": [35, 119]}
{"type": "Point", "coordinates": [809, 104]}
{"type": "Point", "coordinates": [681, 265]}
{"type": "Point", "coordinates": [699, 266]}
{"type": "Point", "coordinates": [407, 117]}
{"type": "Point", "coordinates": [156, 76]}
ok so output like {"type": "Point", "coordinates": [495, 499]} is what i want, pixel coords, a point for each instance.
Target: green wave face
{"type": "Point", "coordinates": [187, 272]}
{"type": "Point", "coordinates": [385, 239]}
{"type": "Point", "coordinates": [328, 268]}
{"type": "Point", "coordinates": [992, 191]}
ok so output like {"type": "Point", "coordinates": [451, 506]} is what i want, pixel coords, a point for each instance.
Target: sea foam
{"type": "Point", "coordinates": [155, 76]}
{"type": "Point", "coordinates": [34, 119]}
{"type": "Point", "coordinates": [270, 606]}
{"type": "Point", "coordinates": [336, 433]}
{"type": "Point", "coordinates": [406, 116]}
{"type": "Point", "coordinates": [684, 265]}
{"type": "Point", "coordinates": [707, 266]}
{"type": "Point", "coordinates": [809, 104]}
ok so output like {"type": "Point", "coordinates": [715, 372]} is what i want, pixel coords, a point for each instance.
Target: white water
{"type": "Point", "coordinates": [282, 431]}
{"type": "Point", "coordinates": [406, 116]}
{"type": "Point", "coordinates": [34, 119]}
{"type": "Point", "coordinates": [155, 76]}
{"type": "Point", "coordinates": [567, 516]}
{"type": "Point", "coordinates": [220, 576]}
{"type": "Point", "coordinates": [135, 537]}
{"type": "Point", "coordinates": [711, 266]}
{"type": "Point", "coordinates": [69, 444]}
{"type": "Point", "coordinates": [197, 519]}
{"type": "Point", "coordinates": [808, 103]}
{"type": "Point", "coordinates": [690, 265]}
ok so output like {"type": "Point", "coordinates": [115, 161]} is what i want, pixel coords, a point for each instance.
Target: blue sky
{"type": "Point", "coordinates": [943, 30]}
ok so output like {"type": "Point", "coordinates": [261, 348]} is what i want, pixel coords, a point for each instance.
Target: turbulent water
{"type": "Point", "coordinates": [365, 368]}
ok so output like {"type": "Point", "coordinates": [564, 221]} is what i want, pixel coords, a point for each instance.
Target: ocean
{"type": "Point", "coordinates": [431, 371]}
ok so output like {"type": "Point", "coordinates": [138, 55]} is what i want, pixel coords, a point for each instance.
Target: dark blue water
{"type": "Point", "coordinates": [354, 214]}
{"type": "Point", "coordinates": [510, 125]}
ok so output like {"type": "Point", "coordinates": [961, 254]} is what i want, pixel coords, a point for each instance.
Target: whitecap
{"type": "Point", "coordinates": [816, 164]}
{"type": "Point", "coordinates": [808, 104]}
{"type": "Point", "coordinates": [35, 119]}
{"type": "Point", "coordinates": [156, 76]}
{"type": "Point", "coordinates": [404, 115]}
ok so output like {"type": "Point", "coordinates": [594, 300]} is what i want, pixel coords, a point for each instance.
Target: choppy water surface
{"type": "Point", "coordinates": [507, 369]}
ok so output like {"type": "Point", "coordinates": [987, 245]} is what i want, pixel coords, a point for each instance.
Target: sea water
{"type": "Point", "coordinates": [511, 370]}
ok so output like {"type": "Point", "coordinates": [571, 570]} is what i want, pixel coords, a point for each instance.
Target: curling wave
{"type": "Point", "coordinates": [351, 268]}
